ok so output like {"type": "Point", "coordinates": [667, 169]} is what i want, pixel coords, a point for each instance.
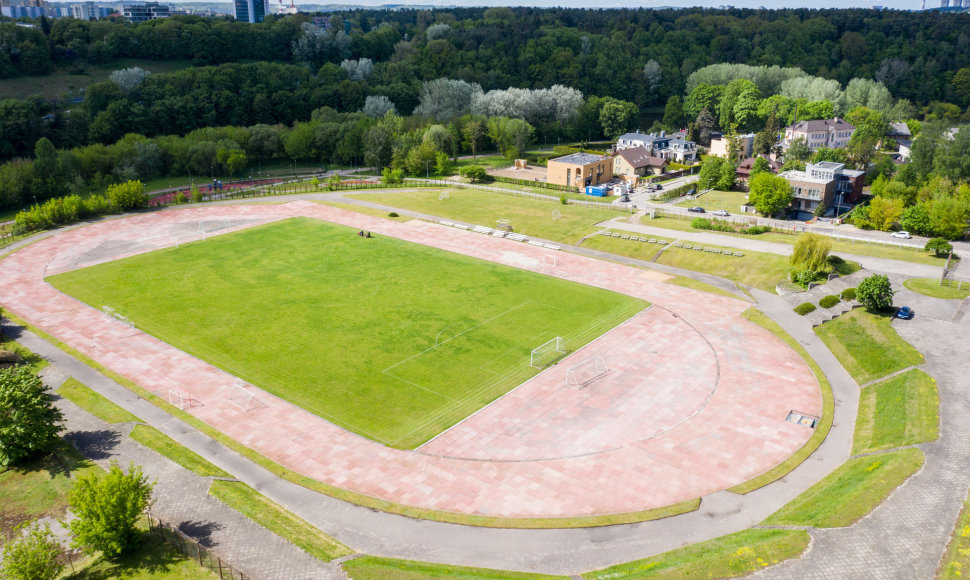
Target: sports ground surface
{"type": "Point", "coordinates": [393, 340]}
{"type": "Point", "coordinates": [695, 400]}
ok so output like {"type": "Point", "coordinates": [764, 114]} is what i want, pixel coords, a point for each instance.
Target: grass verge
{"type": "Point", "coordinates": [821, 430]}
{"type": "Point", "coordinates": [725, 557]}
{"type": "Point", "coordinates": [932, 288]}
{"type": "Point", "coordinates": [35, 362]}
{"type": "Point", "coordinates": [38, 487]}
{"type": "Point", "coordinates": [629, 248]}
{"type": "Point", "coordinates": [712, 200]}
{"type": "Point", "coordinates": [93, 403]}
{"type": "Point", "coordinates": [365, 210]}
{"type": "Point", "coordinates": [275, 518]}
{"type": "Point", "coordinates": [698, 285]}
{"type": "Point", "coordinates": [867, 346]}
{"type": "Point", "coordinates": [903, 410]}
{"type": "Point", "coordinates": [756, 269]}
{"type": "Point", "coordinates": [374, 568]}
{"type": "Point", "coordinates": [154, 439]}
{"type": "Point", "coordinates": [353, 497]}
{"type": "Point", "coordinates": [956, 560]}
{"type": "Point", "coordinates": [850, 492]}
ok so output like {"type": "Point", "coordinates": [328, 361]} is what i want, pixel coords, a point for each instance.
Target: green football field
{"type": "Point", "coordinates": [392, 340]}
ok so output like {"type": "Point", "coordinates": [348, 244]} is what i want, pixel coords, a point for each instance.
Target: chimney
{"type": "Point", "coordinates": [663, 133]}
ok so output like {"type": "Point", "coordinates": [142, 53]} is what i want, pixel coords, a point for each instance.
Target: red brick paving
{"type": "Point", "coordinates": [695, 401]}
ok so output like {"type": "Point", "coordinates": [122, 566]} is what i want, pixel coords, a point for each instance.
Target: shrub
{"type": "Point", "coordinates": [848, 294]}
{"type": "Point", "coordinates": [700, 223]}
{"type": "Point", "coordinates": [835, 260]}
{"type": "Point", "coordinates": [29, 421]}
{"type": "Point", "coordinates": [97, 205]}
{"type": "Point", "coordinates": [721, 226]}
{"type": "Point", "coordinates": [803, 277]}
{"type": "Point", "coordinates": [755, 230]}
{"type": "Point", "coordinates": [804, 309]}
{"type": "Point", "coordinates": [876, 293]}
{"type": "Point", "coordinates": [127, 195]}
{"type": "Point", "coordinates": [180, 197]}
{"type": "Point", "coordinates": [31, 555]}
{"type": "Point", "coordinates": [108, 508]}
{"type": "Point", "coordinates": [196, 194]}
{"type": "Point", "coordinates": [829, 301]}
{"type": "Point", "coordinates": [393, 214]}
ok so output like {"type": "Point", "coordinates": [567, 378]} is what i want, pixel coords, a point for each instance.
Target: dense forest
{"type": "Point", "coordinates": [408, 88]}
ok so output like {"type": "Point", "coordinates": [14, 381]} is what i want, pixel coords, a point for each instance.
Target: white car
{"type": "Point", "coordinates": [721, 212]}
{"type": "Point", "coordinates": [901, 234]}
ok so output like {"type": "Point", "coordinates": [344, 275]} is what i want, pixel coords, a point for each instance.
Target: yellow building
{"type": "Point", "coordinates": [579, 170]}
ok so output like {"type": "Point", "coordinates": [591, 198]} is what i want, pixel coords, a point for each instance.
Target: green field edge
{"type": "Point", "coordinates": [923, 428]}
{"type": "Point", "coordinates": [821, 430]}
{"type": "Point", "coordinates": [956, 559]}
{"type": "Point", "coordinates": [94, 403]}
{"type": "Point", "coordinates": [378, 568]}
{"type": "Point", "coordinates": [354, 497]}
{"type": "Point", "coordinates": [164, 445]}
{"type": "Point", "coordinates": [931, 287]}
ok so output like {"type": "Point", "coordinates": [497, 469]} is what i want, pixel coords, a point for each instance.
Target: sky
{"type": "Point", "coordinates": [895, 4]}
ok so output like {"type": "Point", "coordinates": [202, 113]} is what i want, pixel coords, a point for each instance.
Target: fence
{"type": "Point", "coordinates": [191, 548]}
{"type": "Point", "coordinates": [542, 184]}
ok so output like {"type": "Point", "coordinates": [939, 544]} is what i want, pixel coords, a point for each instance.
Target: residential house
{"type": "Point", "coordinates": [720, 145]}
{"type": "Point", "coordinates": [635, 163]}
{"type": "Point", "coordinates": [579, 170]}
{"type": "Point", "coordinates": [827, 183]}
{"type": "Point", "coordinates": [831, 133]}
{"type": "Point", "coordinates": [674, 147]}
{"type": "Point", "coordinates": [744, 169]}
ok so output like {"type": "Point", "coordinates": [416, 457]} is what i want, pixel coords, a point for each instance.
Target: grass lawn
{"type": "Point", "coordinates": [154, 439]}
{"type": "Point", "coordinates": [273, 517]}
{"type": "Point", "coordinates": [61, 82]}
{"type": "Point", "coordinates": [374, 568]}
{"type": "Point", "coordinates": [529, 216]}
{"type": "Point", "coordinates": [956, 560]}
{"type": "Point", "coordinates": [365, 210]}
{"type": "Point", "coordinates": [486, 161]}
{"type": "Point", "coordinates": [629, 248]}
{"type": "Point", "coordinates": [93, 403]}
{"type": "Point", "coordinates": [821, 430]}
{"type": "Point", "coordinates": [7, 215]}
{"type": "Point", "coordinates": [931, 287]}
{"type": "Point", "coordinates": [392, 340]}
{"type": "Point", "coordinates": [39, 487]}
{"type": "Point", "coordinates": [850, 492]}
{"type": "Point", "coordinates": [712, 200]}
{"type": "Point", "coordinates": [726, 557]}
{"type": "Point", "coordinates": [903, 410]}
{"type": "Point", "coordinates": [867, 346]}
{"type": "Point", "coordinates": [36, 363]}
{"type": "Point", "coordinates": [756, 269]}
{"type": "Point", "coordinates": [702, 286]}
{"type": "Point", "coordinates": [153, 560]}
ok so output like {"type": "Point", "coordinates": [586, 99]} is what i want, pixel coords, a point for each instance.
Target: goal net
{"type": "Point", "coordinates": [547, 353]}
{"type": "Point", "coordinates": [444, 195]}
{"type": "Point", "coordinates": [242, 396]}
{"type": "Point", "coordinates": [586, 372]}
{"type": "Point", "coordinates": [115, 315]}
{"type": "Point", "coordinates": [556, 214]}
{"type": "Point", "coordinates": [550, 260]}
{"type": "Point", "coordinates": [181, 399]}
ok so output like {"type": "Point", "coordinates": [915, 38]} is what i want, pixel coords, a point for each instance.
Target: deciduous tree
{"type": "Point", "coordinates": [769, 194]}
{"type": "Point", "coordinates": [31, 555]}
{"type": "Point", "coordinates": [107, 508]}
{"type": "Point", "coordinates": [875, 293]}
{"type": "Point", "coordinates": [29, 421]}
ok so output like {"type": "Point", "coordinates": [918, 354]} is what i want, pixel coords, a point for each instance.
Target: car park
{"type": "Point", "coordinates": [904, 312]}
{"type": "Point", "coordinates": [696, 209]}
{"type": "Point", "coordinates": [901, 234]}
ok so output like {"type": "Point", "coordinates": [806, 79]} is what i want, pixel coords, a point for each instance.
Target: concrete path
{"type": "Point", "coordinates": [907, 535]}
{"type": "Point", "coordinates": [182, 498]}
{"type": "Point", "coordinates": [910, 269]}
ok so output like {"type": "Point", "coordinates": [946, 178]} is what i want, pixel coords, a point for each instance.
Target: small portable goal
{"type": "Point", "coordinates": [182, 399]}
{"type": "Point", "coordinates": [547, 353]}
{"type": "Point", "coordinates": [586, 372]}
{"type": "Point", "coordinates": [242, 396]}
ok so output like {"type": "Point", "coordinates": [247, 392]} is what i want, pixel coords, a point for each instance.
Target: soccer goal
{"type": "Point", "coordinates": [503, 225]}
{"type": "Point", "coordinates": [182, 399]}
{"type": "Point", "coordinates": [444, 195]}
{"type": "Point", "coordinates": [556, 214]}
{"type": "Point", "coordinates": [547, 353]}
{"type": "Point", "coordinates": [242, 396]}
{"type": "Point", "coordinates": [550, 260]}
{"type": "Point", "coordinates": [115, 315]}
{"type": "Point", "coordinates": [586, 372]}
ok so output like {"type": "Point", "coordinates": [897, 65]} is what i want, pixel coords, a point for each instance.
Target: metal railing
{"type": "Point", "coordinates": [191, 548]}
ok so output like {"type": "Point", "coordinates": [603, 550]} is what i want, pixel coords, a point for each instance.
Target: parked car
{"type": "Point", "coordinates": [901, 234]}
{"type": "Point", "coordinates": [904, 312]}
{"type": "Point", "coordinates": [696, 209]}
{"type": "Point", "coordinates": [721, 212]}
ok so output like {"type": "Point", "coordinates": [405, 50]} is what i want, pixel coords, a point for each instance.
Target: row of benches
{"type": "Point", "coordinates": [500, 234]}
{"type": "Point", "coordinates": [675, 244]}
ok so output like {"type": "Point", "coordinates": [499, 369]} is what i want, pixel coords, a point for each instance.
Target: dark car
{"type": "Point", "coordinates": [696, 209]}
{"type": "Point", "coordinates": [905, 312]}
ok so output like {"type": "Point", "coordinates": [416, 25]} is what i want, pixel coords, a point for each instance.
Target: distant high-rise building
{"type": "Point", "coordinates": [250, 10]}
{"type": "Point", "coordinates": [89, 11]}
{"type": "Point", "coordinates": [24, 9]}
{"type": "Point", "coordinates": [146, 11]}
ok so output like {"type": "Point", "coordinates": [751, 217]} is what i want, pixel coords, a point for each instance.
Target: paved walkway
{"type": "Point", "coordinates": [182, 499]}
{"type": "Point", "coordinates": [742, 434]}
{"type": "Point", "coordinates": [910, 269]}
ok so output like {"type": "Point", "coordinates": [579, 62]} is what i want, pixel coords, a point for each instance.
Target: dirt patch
{"type": "Point", "coordinates": [530, 173]}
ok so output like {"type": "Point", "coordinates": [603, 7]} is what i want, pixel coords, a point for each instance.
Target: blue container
{"type": "Point", "coordinates": [597, 190]}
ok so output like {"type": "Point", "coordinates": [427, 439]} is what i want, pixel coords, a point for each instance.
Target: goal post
{"type": "Point", "coordinates": [241, 395]}
{"type": "Point", "coordinates": [550, 260]}
{"type": "Point", "coordinates": [578, 376]}
{"type": "Point", "coordinates": [182, 399]}
{"type": "Point", "coordinates": [547, 353]}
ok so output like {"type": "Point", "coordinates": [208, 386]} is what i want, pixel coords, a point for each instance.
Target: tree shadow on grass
{"type": "Point", "coordinates": [152, 557]}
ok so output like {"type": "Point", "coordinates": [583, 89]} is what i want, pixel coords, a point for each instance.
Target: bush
{"type": "Point", "coordinates": [876, 293]}
{"type": "Point", "coordinates": [700, 223]}
{"type": "Point", "coordinates": [835, 260]}
{"type": "Point", "coordinates": [393, 214]}
{"type": "Point", "coordinates": [474, 174]}
{"type": "Point", "coordinates": [108, 508]}
{"type": "Point", "coordinates": [848, 294]}
{"type": "Point", "coordinates": [829, 301]}
{"type": "Point", "coordinates": [755, 230]}
{"type": "Point", "coordinates": [804, 309]}
{"type": "Point", "coordinates": [803, 277]}
{"type": "Point", "coordinates": [29, 421]}
{"type": "Point", "coordinates": [180, 197]}
{"type": "Point", "coordinates": [127, 195]}
{"type": "Point", "coordinates": [31, 555]}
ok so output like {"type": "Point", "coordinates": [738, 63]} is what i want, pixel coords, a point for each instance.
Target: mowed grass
{"type": "Point", "coordinates": [713, 200]}
{"type": "Point", "coordinates": [529, 216]}
{"type": "Point", "coordinates": [956, 561]}
{"type": "Point", "coordinates": [867, 346]}
{"type": "Point", "coordinates": [850, 492]}
{"type": "Point", "coordinates": [275, 518]}
{"type": "Point", "coordinates": [756, 269]}
{"type": "Point", "coordinates": [154, 439]}
{"type": "Point", "coordinates": [374, 568]}
{"type": "Point", "coordinates": [931, 287]}
{"type": "Point", "coordinates": [729, 556]}
{"type": "Point", "coordinates": [153, 559]}
{"type": "Point", "coordinates": [92, 402]}
{"type": "Point", "coordinates": [392, 340]}
{"type": "Point", "coordinates": [903, 410]}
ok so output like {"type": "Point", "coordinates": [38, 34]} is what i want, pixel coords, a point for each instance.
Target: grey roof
{"type": "Point", "coordinates": [899, 130]}
{"type": "Point", "coordinates": [579, 158]}
{"type": "Point", "coordinates": [828, 164]}
{"type": "Point", "coordinates": [822, 125]}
